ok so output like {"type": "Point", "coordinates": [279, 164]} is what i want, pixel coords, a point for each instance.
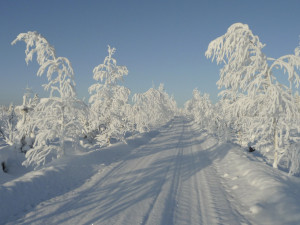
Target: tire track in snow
{"type": "Point", "coordinates": [215, 205]}
{"type": "Point", "coordinates": [172, 202]}
{"type": "Point", "coordinates": [174, 186]}
{"type": "Point", "coordinates": [201, 198]}
{"type": "Point", "coordinates": [194, 206]}
{"type": "Point", "coordinates": [144, 163]}
{"type": "Point", "coordinates": [202, 191]}
{"type": "Point", "coordinates": [128, 169]}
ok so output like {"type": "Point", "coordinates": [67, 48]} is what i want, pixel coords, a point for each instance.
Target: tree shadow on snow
{"type": "Point", "coordinates": [167, 159]}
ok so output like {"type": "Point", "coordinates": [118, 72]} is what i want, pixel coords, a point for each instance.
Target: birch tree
{"type": "Point", "coordinates": [109, 100]}
{"type": "Point", "coordinates": [55, 118]}
{"type": "Point", "coordinates": [248, 81]}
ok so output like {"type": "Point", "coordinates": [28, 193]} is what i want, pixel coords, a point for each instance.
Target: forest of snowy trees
{"type": "Point", "coordinates": [43, 129]}
{"type": "Point", "coordinates": [254, 110]}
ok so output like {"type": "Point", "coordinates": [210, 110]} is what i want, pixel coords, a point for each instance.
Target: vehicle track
{"type": "Point", "coordinates": [173, 170]}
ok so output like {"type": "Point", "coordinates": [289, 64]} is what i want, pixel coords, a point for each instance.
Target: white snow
{"type": "Point", "coordinates": [176, 175]}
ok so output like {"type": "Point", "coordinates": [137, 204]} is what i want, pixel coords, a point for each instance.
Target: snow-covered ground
{"type": "Point", "coordinates": [176, 175]}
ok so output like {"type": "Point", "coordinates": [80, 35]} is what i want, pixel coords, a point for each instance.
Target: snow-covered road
{"type": "Point", "coordinates": [178, 176]}
{"type": "Point", "coordinates": [170, 180]}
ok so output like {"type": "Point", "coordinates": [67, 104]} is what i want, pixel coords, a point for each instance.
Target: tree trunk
{"type": "Point", "coordinates": [62, 135]}
{"type": "Point", "coordinates": [275, 163]}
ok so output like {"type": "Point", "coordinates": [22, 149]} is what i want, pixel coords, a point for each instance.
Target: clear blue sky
{"type": "Point", "coordinates": [159, 41]}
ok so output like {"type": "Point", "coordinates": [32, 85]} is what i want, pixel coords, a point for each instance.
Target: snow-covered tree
{"type": "Point", "coordinates": [293, 154]}
{"type": "Point", "coordinates": [25, 133]}
{"type": "Point", "coordinates": [153, 108]}
{"type": "Point", "coordinates": [109, 101]}
{"type": "Point", "coordinates": [3, 113]}
{"type": "Point", "coordinates": [8, 122]}
{"type": "Point", "coordinates": [206, 115]}
{"type": "Point", "coordinates": [245, 66]}
{"type": "Point", "coordinates": [54, 118]}
{"type": "Point", "coordinates": [249, 83]}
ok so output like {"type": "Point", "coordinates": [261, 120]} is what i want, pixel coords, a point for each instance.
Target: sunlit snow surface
{"type": "Point", "coordinates": [175, 175]}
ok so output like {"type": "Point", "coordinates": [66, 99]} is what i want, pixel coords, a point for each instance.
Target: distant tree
{"type": "Point", "coordinates": [54, 118]}
{"type": "Point", "coordinates": [201, 109]}
{"type": "Point", "coordinates": [2, 119]}
{"type": "Point", "coordinates": [153, 108]}
{"type": "Point", "coordinates": [8, 122]}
